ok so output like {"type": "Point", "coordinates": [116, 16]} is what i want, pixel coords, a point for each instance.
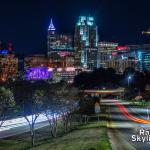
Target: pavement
{"type": "Point", "coordinates": [122, 127]}
{"type": "Point", "coordinates": [19, 125]}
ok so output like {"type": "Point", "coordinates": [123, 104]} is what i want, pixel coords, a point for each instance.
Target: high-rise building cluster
{"type": "Point", "coordinates": [68, 55]}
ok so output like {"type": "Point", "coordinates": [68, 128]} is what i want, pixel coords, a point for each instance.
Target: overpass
{"type": "Point", "coordinates": [107, 91]}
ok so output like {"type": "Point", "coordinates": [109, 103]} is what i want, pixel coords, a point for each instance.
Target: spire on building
{"type": "Point", "coordinates": [51, 26]}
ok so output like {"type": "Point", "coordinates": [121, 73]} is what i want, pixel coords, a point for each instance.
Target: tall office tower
{"type": "Point", "coordinates": [50, 36]}
{"type": "Point", "coordinates": [86, 42]}
{"type": "Point", "coordinates": [58, 42]}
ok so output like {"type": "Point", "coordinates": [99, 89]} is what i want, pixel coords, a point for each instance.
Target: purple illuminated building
{"type": "Point", "coordinates": [38, 73]}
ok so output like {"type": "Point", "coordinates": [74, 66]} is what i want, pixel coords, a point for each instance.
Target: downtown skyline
{"type": "Point", "coordinates": [75, 74]}
{"type": "Point", "coordinates": [120, 22]}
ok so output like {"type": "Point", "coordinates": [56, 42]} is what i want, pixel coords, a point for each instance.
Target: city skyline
{"type": "Point", "coordinates": [75, 74]}
{"type": "Point", "coordinates": [121, 22]}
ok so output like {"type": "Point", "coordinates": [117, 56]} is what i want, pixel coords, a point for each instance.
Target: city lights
{"type": "Point", "coordinates": [38, 73]}
{"type": "Point", "coordinates": [91, 77]}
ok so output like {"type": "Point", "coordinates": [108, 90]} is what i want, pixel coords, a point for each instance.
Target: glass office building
{"type": "Point", "coordinates": [86, 42]}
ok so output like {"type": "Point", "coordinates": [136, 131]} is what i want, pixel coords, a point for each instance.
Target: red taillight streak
{"type": "Point", "coordinates": [129, 116]}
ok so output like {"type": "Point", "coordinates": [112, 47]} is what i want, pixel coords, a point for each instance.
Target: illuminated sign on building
{"type": "Point", "coordinates": [114, 53]}
{"type": "Point", "coordinates": [65, 53]}
{"type": "Point", "coordinates": [122, 48]}
{"type": "Point", "coordinates": [70, 69]}
{"type": "Point", "coordinates": [4, 52]}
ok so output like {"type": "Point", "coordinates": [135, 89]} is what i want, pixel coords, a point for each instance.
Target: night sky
{"type": "Point", "coordinates": [25, 22]}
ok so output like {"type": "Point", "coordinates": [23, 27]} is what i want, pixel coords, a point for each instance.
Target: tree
{"type": "Point", "coordinates": [67, 97]}
{"type": "Point", "coordinates": [28, 100]}
{"type": "Point", "coordinates": [81, 80]}
{"type": "Point", "coordinates": [50, 109]}
{"type": "Point", "coordinates": [98, 78]}
{"type": "Point", "coordinates": [35, 108]}
{"type": "Point", "coordinates": [6, 103]}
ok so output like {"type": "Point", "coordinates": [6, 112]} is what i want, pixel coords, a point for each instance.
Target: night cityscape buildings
{"type": "Point", "coordinates": [58, 42]}
{"type": "Point", "coordinates": [75, 75]}
{"type": "Point", "coordinates": [8, 62]}
{"type": "Point", "coordinates": [8, 67]}
{"type": "Point", "coordinates": [141, 54]}
{"type": "Point", "coordinates": [106, 51]}
{"type": "Point", "coordinates": [67, 57]}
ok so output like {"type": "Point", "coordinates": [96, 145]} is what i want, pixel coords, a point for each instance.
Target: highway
{"type": "Point", "coordinates": [20, 125]}
{"type": "Point", "coordinates": [124, 121]}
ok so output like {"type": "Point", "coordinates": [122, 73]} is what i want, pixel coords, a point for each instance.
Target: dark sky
{"type": "Point", "coordinates": [25, 22]}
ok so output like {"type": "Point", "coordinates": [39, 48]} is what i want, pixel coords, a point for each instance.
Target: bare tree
{"type": "Point", "coordinates": [50, 109]}
{"type": "Point", "coordinates": [31, 108]}
{"type": "Point", "coordinates": [59, 100]}
{"type": "Point", "coordinates": [66, 96]}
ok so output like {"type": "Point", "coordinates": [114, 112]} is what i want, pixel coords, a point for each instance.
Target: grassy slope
{"type": "Point", "coordinates": [88, 137]}
{"type": "Point", "coordinates": [92, 136]}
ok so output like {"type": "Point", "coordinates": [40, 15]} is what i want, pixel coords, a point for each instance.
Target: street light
{"type": "Point", "coordinates": [129, 78]}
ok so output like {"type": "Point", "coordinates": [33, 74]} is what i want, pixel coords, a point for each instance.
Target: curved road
{"type": "Point", "coordinates": [124, 121]}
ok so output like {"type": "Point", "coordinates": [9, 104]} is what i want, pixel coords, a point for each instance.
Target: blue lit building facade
{"type": "Point", "coordinates": [144, 60]}
{"type": "Point", "coordinates": [86, 42]}
{"type": "Point", "coordinates": [142, 56]}
{"type": "Point", "coordinates": [58, 42]}
{"type": "Point", "coordinates": [136, 56]}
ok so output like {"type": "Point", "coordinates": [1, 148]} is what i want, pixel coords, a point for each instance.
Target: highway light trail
{"type": "Point", "coordinates": [104, 91]}
{"type": "Point", "coordinates": [129, 116]}
{"type": "Point", "coordinates": [18, 122]}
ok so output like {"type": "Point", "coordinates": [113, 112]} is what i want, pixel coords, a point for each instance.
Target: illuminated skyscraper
{"type": "Point", "coordinates": [51, 28]}
{"type": "Point", "coordinates": [86, 42]}
{"type": "Point", "coordinates": [58, 42]}
{"type": "Point", "coordinates": [50, 36]}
